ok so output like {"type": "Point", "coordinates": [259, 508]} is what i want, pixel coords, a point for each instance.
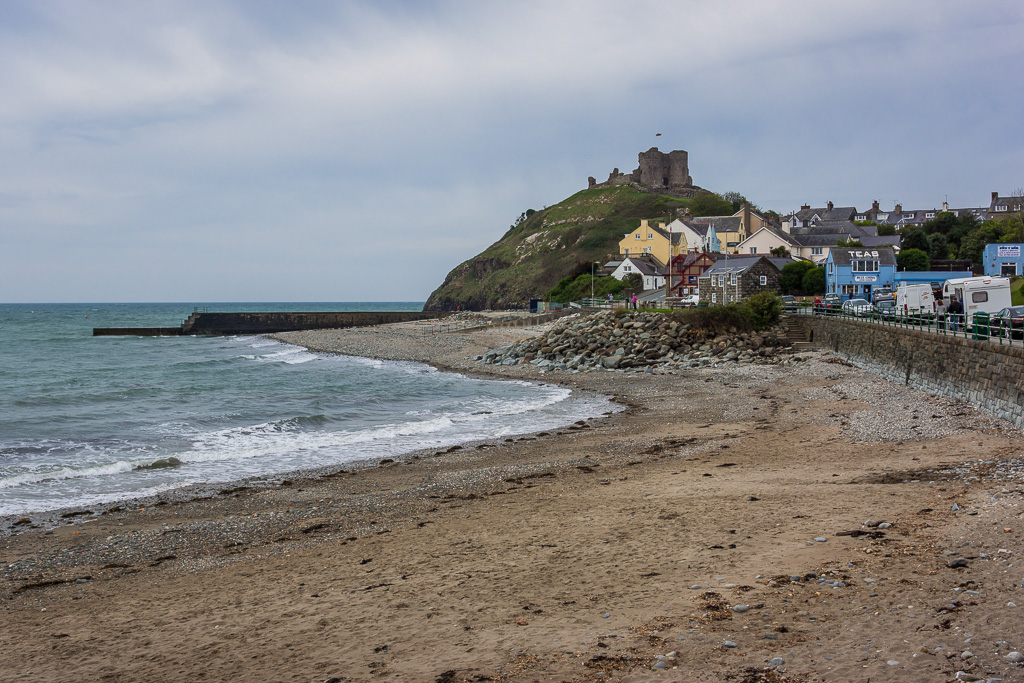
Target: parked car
{"type": "Point", "coordinates": [789, 303]}
{"type": "Point", "coordinates": [858, 307]}
{"type": "Point", "coordinates": [1009, 322]}
{"type": "Point", "coordinates": [886, 308]}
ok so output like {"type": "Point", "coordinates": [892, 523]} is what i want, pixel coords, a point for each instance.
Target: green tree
{"type": "Point", "coordinates": [634, 281]}
{"type": "Point", "coordinates": [710, 204]}
{"type": "Point", "coordinates": [884, 230]}
{"type": "Point", "coordinates": [780, 252]}
{"type": "Point", "coordinates": [792, 278]}
{"type": "Point", "coordinates": [849, 243]}
{"type": "Point", "coordinates": [938, 246]}
{"type": "Point", "coordinates": [736, 199]}
{"type": "Point", "coordinates": [814, 281]}
{"type": "Point", "coordinates": [913, 259]}
{"type": "Point", "coordinates": [914, 239]}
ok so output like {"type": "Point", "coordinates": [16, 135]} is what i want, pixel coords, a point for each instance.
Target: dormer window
{"type": "Point", "coordinates": [908, 216]}
{"type": "Point", "coordinates": [883, 216]}
{"type": "Point", "coordinates": [1000, 207]}
{"type": "Point", "coordinates": [860, 217]}
{"type": "Point", "coordinates": [930, 214]}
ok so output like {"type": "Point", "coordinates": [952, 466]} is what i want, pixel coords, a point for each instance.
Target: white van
{"type": "Point", "coordinates": [915, 300]}
{"type": "Point", "coordinates": [978, 294]}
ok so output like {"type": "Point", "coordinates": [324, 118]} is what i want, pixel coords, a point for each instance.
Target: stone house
{"type": "Point", "coordinates": [735, 278]}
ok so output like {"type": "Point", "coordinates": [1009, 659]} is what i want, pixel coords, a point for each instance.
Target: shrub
{"type": "Point", "coordinates": [763, 309]}
{"type": "Point", "coordinates": [715, 320]}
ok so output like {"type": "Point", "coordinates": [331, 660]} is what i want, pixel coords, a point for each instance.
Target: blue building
{"type": "Point", "coordinates": [855, 272]}
{"type": "Point", "coordinates": [1003, 260]}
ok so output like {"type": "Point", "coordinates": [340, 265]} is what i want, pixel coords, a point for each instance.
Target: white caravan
{"type": "Point", "coordinates": [978, 294]}
{"type": "Point", "coordinates": [915, 300]}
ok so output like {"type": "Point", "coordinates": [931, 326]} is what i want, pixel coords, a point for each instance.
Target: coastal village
{"type": "Point", "coordinates": [724, 259]}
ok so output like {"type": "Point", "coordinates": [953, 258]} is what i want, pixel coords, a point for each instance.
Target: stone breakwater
{"type": "Point", "coordinates": [619, 341]}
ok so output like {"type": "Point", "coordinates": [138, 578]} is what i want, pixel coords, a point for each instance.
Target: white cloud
{"type": "Point", "coordinates": [254, 132]}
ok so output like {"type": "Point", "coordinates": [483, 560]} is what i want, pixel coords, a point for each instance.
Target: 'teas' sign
{"type": "Point", "coordinates": [864, 254]}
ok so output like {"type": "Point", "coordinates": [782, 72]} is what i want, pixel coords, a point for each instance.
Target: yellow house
{"type": "Point", "coordinates": [652, 241]}
{"type": "Point", "coordinates": [732, 230]}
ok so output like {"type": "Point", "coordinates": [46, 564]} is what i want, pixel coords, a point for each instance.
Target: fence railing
{"type": "Point", "coordinates": [979, 327]}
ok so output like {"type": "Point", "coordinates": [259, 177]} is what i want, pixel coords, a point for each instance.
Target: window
{"type": "Point", "coordinates": [830, 268]}
{"type": "Point", "coordinates": [764, 280]}
{"type": "Point", "coordinates": [1000, 207]}
{"type": "Point", "coordinates": [753, 250]}
{"type": "Point", "coordinates": [979, 297]}
{"type": "Point", "coordinates": [637, 236]}
{"type": "Point", "coordinates": [865, 266]}
{"type": "Point", "coordinates": [626, 269]}
{"type": "Point", "coordinates": [732, 279]}
{"type": "Point", "coordinates": [908, 216]}
{"type": "Point", "coordinates": [860, 217]}
{"type": "Point", "coordinates": [883, 216]}
{"type": "Point", "coordinates": [714, 298]}
{"type": "Point", "coordinates": [929, 214]}
{"type": "Point", "coordinates": [815, 251]}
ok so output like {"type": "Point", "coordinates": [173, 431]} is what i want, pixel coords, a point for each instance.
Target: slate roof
{"type": "Point", "coordinates": [843, 256]}
{"type": "Point", "coordinates": [837, 213]}
{"type": "Point", "coordinates": [721, 223]}
{"type": "Point", "coordinates": [877, 241]}
{"type": "Point", "coordinates": [643, 266]}
{"type": "Point", "coordinates": [741, 264]}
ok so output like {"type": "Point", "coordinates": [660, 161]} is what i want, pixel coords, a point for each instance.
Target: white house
{"type": "Point", "coordinates": [697, 237]}
{"type": "Point", "coordinates": [653, 276]}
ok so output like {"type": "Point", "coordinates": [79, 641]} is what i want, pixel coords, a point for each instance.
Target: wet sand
{"type": "Point", "coordinates": [588, 554]}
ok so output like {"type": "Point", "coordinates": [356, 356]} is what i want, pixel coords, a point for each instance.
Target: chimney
{"type": "Point", "coordinates": [874, 206]}
{"type": "Point", "coordinates": [830, 206]}
{"type": "Point", "coordinates": [898, 209]}
{"type": "Point", "coordinates": [995, 197]}
{"type": "Point", "coordinates": [805, 207]}
{"type": "Point", "coordinates": [945, 206]}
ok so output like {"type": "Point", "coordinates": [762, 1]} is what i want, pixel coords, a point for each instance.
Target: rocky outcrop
{"type": "Point", "coordinates": [622, 339]}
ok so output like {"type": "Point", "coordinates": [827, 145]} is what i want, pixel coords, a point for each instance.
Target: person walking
{"type": "Point", "coordinates": [634, 301]}
{"type": "Point", "coordinates": [955, 311]}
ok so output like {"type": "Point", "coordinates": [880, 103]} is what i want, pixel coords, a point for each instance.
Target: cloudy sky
{"type": "Point", "coordinates": [258, 150]}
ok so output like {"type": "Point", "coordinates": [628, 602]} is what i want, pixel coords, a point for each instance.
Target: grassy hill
{"type": "Point", "coordinates": [548, 245]}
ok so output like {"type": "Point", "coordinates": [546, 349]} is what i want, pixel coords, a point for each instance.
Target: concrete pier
{"type": "Point", "coordinates": [265, 323]}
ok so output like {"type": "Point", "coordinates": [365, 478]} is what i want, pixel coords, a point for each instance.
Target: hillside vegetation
{"type": "Point", "coordinates": [543, 247]}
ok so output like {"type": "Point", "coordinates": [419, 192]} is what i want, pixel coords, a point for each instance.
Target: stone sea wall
{"type": "Point", "coordinates": [980, 372]}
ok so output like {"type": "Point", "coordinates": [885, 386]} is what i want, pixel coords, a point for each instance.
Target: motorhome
{"type": "Point", "coordinates": [915, 300]}
{"type": "Point", "coordinates": [978, 294]}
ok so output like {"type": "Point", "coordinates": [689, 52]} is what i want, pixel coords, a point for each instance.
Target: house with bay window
{"type": "Point", "coordinates": [856, 272]}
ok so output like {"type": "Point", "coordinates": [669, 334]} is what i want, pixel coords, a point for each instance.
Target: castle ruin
{"type": "Point", "coordinates": [658, 172]}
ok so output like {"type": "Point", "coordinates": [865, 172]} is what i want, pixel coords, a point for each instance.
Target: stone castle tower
{"type": "Point", "coordinates": [658, 171]}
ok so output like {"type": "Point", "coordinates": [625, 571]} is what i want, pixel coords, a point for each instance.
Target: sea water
{"type": "Point", "coordinates": [87, 420]}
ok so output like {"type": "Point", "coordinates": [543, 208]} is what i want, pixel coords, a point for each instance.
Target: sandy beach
{"type": "Point", "coordinates": [808, 522]}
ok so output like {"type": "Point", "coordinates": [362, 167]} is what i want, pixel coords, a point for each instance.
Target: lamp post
{"type": "Point", "coordinates": [591, 283]}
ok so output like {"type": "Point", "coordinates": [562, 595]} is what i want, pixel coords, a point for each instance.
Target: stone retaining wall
{"type": "Point", "coordinates": [982, 373]}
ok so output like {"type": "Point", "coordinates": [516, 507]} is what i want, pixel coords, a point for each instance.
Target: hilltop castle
{"type": "Point", "coordinates": [658, 172]}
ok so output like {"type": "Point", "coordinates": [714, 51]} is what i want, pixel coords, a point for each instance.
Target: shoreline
{"type": "Point", "coordinates": [566, 555]}
{"type": "Point", "coordinates": [76, 514]}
